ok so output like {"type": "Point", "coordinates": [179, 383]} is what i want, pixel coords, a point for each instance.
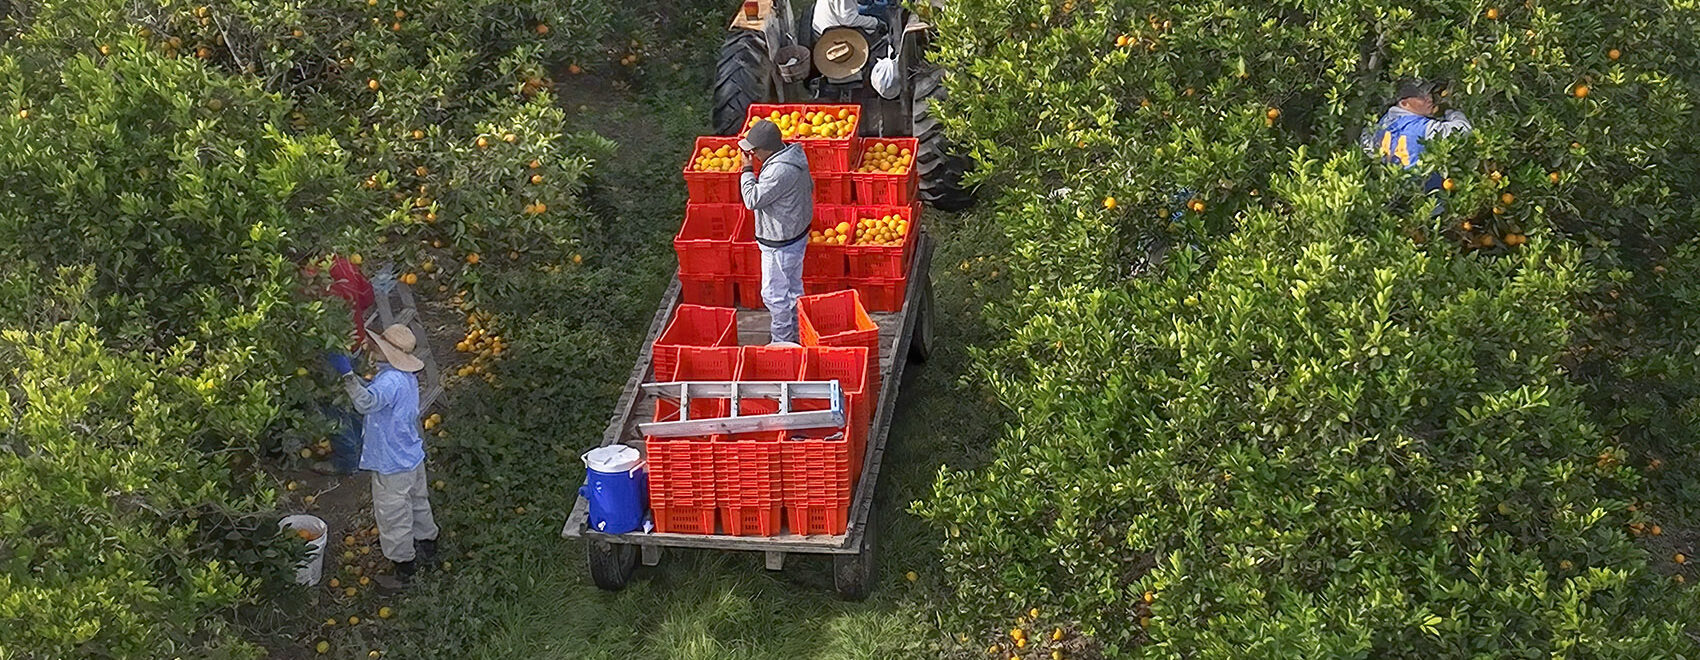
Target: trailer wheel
{"type": "Point", "coordinates": [611, 564]}
{"type": "Point", "coordinates": [940, 168]}
{"type": "Point", "coordinates": [853, 575]}
{"type": "Point", "coordinates": [742, 77]}
{"type": "Point", "coordinates": [921, 344]}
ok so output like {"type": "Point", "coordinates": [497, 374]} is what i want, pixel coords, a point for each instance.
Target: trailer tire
{"type": "Point", "coordinates": [611, 564]}
{"type": "Point", "coordinates": [921, 343]}
{"type": "Point", "coordinates": [940, 167]}
{"type": "Point", "coordinates": [740, 78]}
{"type": "Point", "coordinates": [853, 575]}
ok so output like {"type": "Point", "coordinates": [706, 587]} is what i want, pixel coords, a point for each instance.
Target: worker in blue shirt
{"type": "Point", "coordinates": [1414, 120]}
{"type": "Point", "coordinates": [394, 452]}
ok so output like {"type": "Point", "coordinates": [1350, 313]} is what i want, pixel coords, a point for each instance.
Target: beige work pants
{"type": "Point", "coordinates": [402, 506]}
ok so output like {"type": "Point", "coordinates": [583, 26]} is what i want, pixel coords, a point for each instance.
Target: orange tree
{"type": "Point", "coordinates": [170, 168]}
{"type": "Point", "coordinates": [1268, 397]}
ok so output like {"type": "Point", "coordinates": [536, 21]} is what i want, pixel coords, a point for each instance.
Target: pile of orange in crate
{"type": "Point", "coordinates": [867, 214]}
{"type": "Point", "coordinates": [762, 484]}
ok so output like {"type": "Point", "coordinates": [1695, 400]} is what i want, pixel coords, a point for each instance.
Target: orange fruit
{"type": "Point", "coordinates": [372, 84]}
{"type": "Point", "coordinates": [537, 178]}
{"type": "Point", "coordinates": [1493, 14]}
{"type": "Point", "coordinates": [543, 28]}
{"type": "Point", "coordinates": [472, 258]}
{"type": "Point", "coordinates": [1110, 203]}
{"type": "Point", "coordinates": [1580, 92]}
{"type": "Point", "coordinates": [574, 69]}
{"type": "Point", "coordinates": [1613, 54]}
{"type": "Point", "coordinates": [1274, 113]}
{"type": "Point", "coordinates": [1448, 185]}
{"type": "Point", "coordinates": [1552, 176]}
{"type": "Point", "coordinates": [418, 134]}
{"type": "Point", "coordinates": [482, 143]}
{"type": "Point", "coordinates": [1507, 198]}
{"type": "Point", "coordinates": [535, 164]}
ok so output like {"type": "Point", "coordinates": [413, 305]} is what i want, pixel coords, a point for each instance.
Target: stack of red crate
{"type": "Point", "coordinates": [692, 325]}
{"type": "Point", "coordinates": [838, 319]}
{"type": "Point", "coordinates": [848, 366]}
{"type": "Point", "coordinates": [682, 487]}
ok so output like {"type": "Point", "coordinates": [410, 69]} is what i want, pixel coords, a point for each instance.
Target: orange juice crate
{"type": "Point", "coordinates": [829, 234]}
{"type": "Point", "coordinates": [836, 319]}
{"type": "Point", "coordinates": [693, 325]}
{"type": "Point", "coordinates": [884, 173]}
{"type": "Point", "coordinates": [706, 290]}
{"type": "Point", "coordinates": [748, 482]}
{"type": "Point", "coordinates": [884, 240]}
{"type": "Point", "coordinates": [832, 188]}
{"type": "Point", "coordinates": [746, 252]}
{"type": "Point", "coordinates": [772, 363]}
{"type": "Point", "coordinates": [704, 241]}
{"type": "Point", "coordinates": [828, 132]}
{"type": "Point", "coordinates": [712, 170]}
{"type": "Point", "coordinates": [881, 294]}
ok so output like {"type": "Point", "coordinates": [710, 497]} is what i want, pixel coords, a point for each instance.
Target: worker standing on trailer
{"type": "Point", "coordinates": [840, 13]}
{"type": "Point", "coordinates": [1414, 119]}
{"type": "Point", "coordinates": [783, 201]}
{"type": "Point", "coordinates": [394, 452]}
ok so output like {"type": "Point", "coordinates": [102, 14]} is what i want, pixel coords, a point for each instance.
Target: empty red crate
{"type": "Point", "coordinates": [832, 188]}
{"type": "Point", "coordinates": [749, 293]}
{"type": "Point", "coordinates": [885, 188]}
{"type": "Point", "coordinates": [814, 286]}
{"type": "Point", "coordinates": [693, 325]}
{"type": "Point", "coordinates": [748, 482]}
{"type": "Point", "coordinates": [882, 294]}
{"type": "Point", "coordinates": [706, 290]}
{"type": "Point", "coordinates": [762, 363]}
{"type": "Point", "coordinates": [681, 483]}
{"type": "Point", "coordinates": [710, 187]}
{"type": "Point", "coordinates": [867, 261]}
{"type": "Point", "coordinates": [836, 319]}
{"type": "Point", "coordinates": [825, 154]}
{"type": "Point", "coordinates": [855, 374]}
{"type": "Point", "coordinates": [704, 241]}
{"type": "Point", "coordinates": [746, 252]}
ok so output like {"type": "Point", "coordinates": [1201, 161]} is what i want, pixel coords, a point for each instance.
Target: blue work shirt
{"type": "Point", "coordinates": [391, 428]}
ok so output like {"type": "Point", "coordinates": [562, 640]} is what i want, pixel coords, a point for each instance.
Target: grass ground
{"type": "Point", "coordinates": [514, 588]}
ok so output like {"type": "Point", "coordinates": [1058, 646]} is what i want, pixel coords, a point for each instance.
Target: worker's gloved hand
{"type": "Point", "coordinates": [340, 363]}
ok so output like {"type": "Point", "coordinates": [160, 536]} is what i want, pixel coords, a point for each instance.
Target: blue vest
{"type": "Point", "coordinates": [1401, 140]}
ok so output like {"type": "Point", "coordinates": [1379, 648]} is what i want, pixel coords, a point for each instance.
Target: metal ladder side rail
{"type": "Point", "coordinates": [783, 391]}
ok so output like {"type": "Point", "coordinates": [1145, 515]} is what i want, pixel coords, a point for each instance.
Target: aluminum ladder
{"type": "Point", "coordinates": [783, 391]}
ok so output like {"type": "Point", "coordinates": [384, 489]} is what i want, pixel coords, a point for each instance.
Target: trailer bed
{"type": "Point", "coordinates": [898, 331]}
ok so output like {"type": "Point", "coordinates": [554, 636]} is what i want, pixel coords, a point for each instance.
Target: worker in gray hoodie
{"type": "Point", "coordinates": [783, 201]}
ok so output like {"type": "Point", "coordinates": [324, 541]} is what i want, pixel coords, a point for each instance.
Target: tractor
{"type": "Point", "coordinates": [771, 55]}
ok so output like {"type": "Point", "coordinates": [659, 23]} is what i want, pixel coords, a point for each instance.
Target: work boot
{"type": "Point", "coordinates": [426, 552]}
{"type": "Point", "coordinates": [400, 581]}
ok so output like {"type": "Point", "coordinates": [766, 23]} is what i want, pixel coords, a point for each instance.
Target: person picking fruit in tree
{"type": "Point", "coordinates": [783, 201]}
{"type": "Point", "coordinates": [394, 452]}
{"type": "Point", "coordinates": [1415, 119]}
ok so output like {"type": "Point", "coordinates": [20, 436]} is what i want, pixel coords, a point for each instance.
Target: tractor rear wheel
{"type": "Point", "coordinates": [939, 167]}
{"type": "Point", "coordinates": [742, 77]}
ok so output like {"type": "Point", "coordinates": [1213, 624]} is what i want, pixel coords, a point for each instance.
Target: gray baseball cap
{"type": "Point", "coordinates": [763, 134]}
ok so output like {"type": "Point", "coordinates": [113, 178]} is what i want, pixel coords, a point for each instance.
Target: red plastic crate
{"type": "Point", "coordinates": [836, 319]}
{"type": "Point", "coordinates": [825, 154]}
{"type": "Point", "coordinates": [825, 259]}
{"type": "Point", "coordinates": [681, 483]}
{"type": "Point", "coordinates": [884, 261]}
{"type": "Point", "coordinates": [748, 482]}
{"type": "Point", "coordinates": [712, 187]}
{"type": "Point", "coordinates": [814, 286]}
{"type": "Point", "coordinates": [693, 325]}
{"type": "Point", "coordinates": [749, 293]}
{"type": "Point", "coordinates": [706, 290]}
{"type": "Point", "coordinates": [746, 252]}
{"type": "Point", "coordinates": [757, 363]}
{"type": "Point", "coordinates": [833, 188]}
{"type": "Point", "coordinates": [882, 294]}
{"type": "Point", "coordinates": [883, 188]}
{"type": "Point", "coordinates": [704, 241]}
{"type": "Point", "coordinates": [856, 376]}
{"type": "Point", "coordinates": [806, 520]}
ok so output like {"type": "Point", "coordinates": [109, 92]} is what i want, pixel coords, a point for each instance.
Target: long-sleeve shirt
{"type": "Point", "coordinates": [1400, 135]}
{"type": "Point", "coordinates": [390, 431]}
{"type": "Point", "coordinates": [782, 197]}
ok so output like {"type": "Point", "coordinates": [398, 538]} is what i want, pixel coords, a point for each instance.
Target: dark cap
{"type": "Point", "coordinates": [763, 134]}
{"type": "Point", "coordinates": [1416, 88]}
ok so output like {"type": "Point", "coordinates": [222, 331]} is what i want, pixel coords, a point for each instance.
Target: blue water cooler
{"type": "Point", "coordinates": [616, 488]}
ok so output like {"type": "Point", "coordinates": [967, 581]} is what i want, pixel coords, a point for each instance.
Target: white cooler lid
{"type": "Point", "coordinates": [612, 459]}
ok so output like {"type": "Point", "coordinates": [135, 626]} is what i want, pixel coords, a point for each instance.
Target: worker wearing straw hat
{"type": "Point", "coordinates": [394, 452]}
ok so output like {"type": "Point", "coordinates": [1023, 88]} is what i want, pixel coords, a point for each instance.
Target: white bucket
{"type": "Point", "coordinates": [310, 569]}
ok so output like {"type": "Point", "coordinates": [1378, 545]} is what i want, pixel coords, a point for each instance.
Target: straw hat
{"type": "Point", "coordinates": [397, 344]}
{"type": "Point", "coordinates": [840, 53]}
